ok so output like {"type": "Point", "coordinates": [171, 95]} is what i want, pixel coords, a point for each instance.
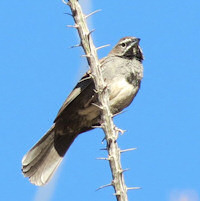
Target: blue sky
{"type": "Point", "coordinates": [38, 71]}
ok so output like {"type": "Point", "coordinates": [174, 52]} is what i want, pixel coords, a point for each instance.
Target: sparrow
{"type": "Point", "coordinates": [122, 71]}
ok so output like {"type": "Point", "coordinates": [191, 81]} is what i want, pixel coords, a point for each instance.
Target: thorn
{"type": "Point", "coordinates": [119, 130]}
{"type": "Point", "coordinates": [133, 188]}
{"type": "Point", "coordinates": [103, 186]}
{"type": "Point", "coordinates": [87, 78]}
{"type": "Point", "coordinates": [125, 150]}
{"type": "Point", "coordinates": [91, 32]}
{"type": "Point", "coordinates": [78, 45]}
{"type": "Point", "coordinates": [101, 158]}
{"type": "Point", "coordinates": [103, 140]}
{"type": "Point", "coordinates": [65, 2]}
{"type": "Point", "coordinates": [98, 106]}
{"type": "Point", "coordinates": [98, 48]}
{"type": "Point", "coordinates": [103, 149]}
{"type": "Point", "coordinates": [96, 126]}
{"type": "Point", "coordinates": [125, 170]}
{"type": "Point", "coordinates": [73, 26]}
{"type": "Point", "coordinates": [68, 14]}
{"type": "Point", "coordinates": [92, 13]}
{"type": "Point", "coordinates": [118, 113]}
{"type": "Point", "coordinates": [85, 55]}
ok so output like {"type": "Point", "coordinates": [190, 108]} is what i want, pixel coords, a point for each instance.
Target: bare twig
{"type": "Point", "coordinates": [108, 126]}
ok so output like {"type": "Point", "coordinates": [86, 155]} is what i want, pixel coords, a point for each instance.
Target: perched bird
{"type": "Point", "coordinates": [122, 71]}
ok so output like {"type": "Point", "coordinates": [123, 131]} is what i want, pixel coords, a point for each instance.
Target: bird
{"type": "Point", "coordinates": [122, 71]}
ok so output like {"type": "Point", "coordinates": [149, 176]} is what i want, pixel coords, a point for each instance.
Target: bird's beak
{"type": "Point", "coordinates": [136, 41]}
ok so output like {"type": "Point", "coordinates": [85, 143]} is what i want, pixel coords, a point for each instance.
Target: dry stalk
{"type": "Point", "coordinates": [110, 130]}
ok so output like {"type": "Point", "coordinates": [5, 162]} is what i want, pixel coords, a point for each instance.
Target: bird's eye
{"type": "Point", "coordinates": [123, 44]}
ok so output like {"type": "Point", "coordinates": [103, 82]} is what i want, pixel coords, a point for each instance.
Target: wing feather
{"type": "Point", "coordinates": [84, 82]}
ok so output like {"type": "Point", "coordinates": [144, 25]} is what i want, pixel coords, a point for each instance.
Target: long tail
{"type": "Point", "coordinates": [43, 159]}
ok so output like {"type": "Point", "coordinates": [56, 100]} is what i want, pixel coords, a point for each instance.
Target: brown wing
{"type": "Point", "coordinates": [84, 82]}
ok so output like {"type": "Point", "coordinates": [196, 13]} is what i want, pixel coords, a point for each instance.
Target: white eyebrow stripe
{"type": "Point", "coordinates": [126, 40]}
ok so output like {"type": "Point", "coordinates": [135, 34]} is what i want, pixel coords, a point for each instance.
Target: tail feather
{"type": "Point", "coordinates": [37, 153]}
{"type": "Point", "coordinates": [43, 159]}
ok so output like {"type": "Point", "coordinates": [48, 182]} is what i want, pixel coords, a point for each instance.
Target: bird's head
{"type": "Point", "coordinates": [128, 47]}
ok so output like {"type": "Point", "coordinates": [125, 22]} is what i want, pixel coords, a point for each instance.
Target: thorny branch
{"type": "Point", "coordinates": [110, 130]}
